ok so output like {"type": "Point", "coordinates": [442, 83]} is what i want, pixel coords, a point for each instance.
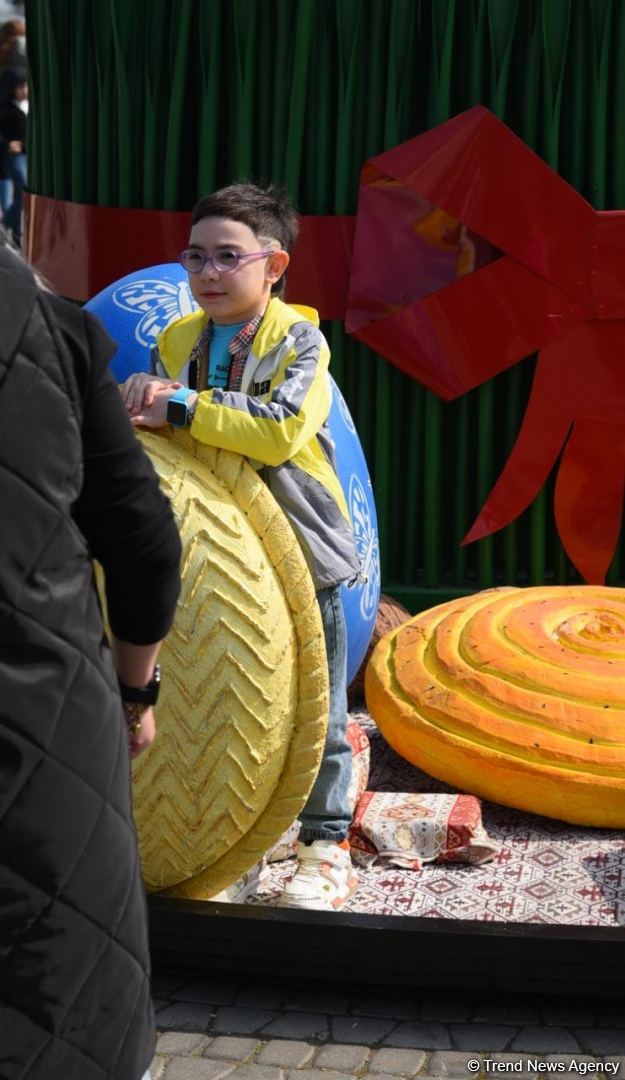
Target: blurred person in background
{"type": "Point", "coordinates": [13, 132]}
{"type": "Point", "coordinates": [12, 54]}
{"type": "Point", "coordinates": [12, 43]}
{"type": "Point", "coordinates": [75, 485]}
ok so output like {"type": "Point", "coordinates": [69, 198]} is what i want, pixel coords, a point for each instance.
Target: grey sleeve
{"type": "Point", "coordinates": [156, 367]}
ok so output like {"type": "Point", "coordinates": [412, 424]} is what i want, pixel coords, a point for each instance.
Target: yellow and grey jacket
{"type": "Point", "coordinates": [278, 420]}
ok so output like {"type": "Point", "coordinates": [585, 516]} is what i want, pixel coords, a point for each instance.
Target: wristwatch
{"type": "Point", "coordinates": [180, 408]}
{"type": "Point", "coordinates": [142, 695]}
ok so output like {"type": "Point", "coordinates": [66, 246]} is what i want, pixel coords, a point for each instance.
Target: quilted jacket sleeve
{"type": "Point", "coordinates": [126, 519]}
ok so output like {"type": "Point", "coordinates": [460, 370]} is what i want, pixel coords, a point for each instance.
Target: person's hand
{"type": "Point", "coordinates": [155, 415]}
{"type": "Point", "coordinates": [16, 147]}
{"type": "Point", "coordinates": [139, 389]}
{"type": "Point", "coordinates": [144, 738]}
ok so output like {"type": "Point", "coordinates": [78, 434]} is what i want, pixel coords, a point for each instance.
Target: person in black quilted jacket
{"type": "Point", "coordinates": [74, 485]}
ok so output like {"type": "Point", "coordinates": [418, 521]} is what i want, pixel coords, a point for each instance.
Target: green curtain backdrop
{"type": "Point", "coordinates": [151, 103]}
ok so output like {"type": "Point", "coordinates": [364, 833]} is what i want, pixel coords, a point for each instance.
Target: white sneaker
{"type": "Point", "coordinates": [324, 879]}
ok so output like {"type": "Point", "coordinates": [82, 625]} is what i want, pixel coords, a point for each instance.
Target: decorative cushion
{"type": "Point", "coordinates": [248, 885]}
{"type": "Point", "coordinates": [408, 830]}
{"type": "Point", "coordinates": [286, 847]}
{"type": "Point", "coordinates": [361, 754]}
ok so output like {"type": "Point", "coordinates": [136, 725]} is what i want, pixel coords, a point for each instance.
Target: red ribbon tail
{"type": "Point", "coordinates": [537, 446]}
{"type": "Point", "coordinates": [589, 495]}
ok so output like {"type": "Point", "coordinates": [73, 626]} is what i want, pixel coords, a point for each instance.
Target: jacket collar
{"type": "Point", "coordinates": [176, 342]}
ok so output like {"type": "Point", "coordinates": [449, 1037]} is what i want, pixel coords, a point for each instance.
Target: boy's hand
{"type": "Point", "coordinates": [155, 415]}
{"type": "Point", "coordinates": [139, 390]}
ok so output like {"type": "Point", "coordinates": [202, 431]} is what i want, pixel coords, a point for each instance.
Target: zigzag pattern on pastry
{"type": "Point", "coordinates": [243, 708]}
{"type": "Point", "coordinates": [517, 695]}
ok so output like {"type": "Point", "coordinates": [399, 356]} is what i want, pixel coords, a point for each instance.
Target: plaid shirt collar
{"type": "Point", "coordinates": [242, 340]}
{"type": "Point", "coordinates": [245, 337]}
{"type": "Point", "coordinates": [238, 347]}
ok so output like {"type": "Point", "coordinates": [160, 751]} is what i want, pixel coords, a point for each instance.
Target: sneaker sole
{"type": "Point", "coordinates": [339, 901]}
{"type": "Point", "coordinates": [334, 905]}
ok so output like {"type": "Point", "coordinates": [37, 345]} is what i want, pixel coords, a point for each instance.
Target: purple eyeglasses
{"type": "Point", "coordinates": [224, 259]}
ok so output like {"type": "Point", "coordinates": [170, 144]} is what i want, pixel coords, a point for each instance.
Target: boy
{"type": "Point", "coordinates": [248, 373]}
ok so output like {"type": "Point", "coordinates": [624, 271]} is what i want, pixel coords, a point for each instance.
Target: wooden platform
{"type": "Point", "coordinates": [547, 915]}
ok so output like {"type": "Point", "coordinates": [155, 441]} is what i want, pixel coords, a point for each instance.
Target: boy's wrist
{"type": "Point", "coordinates": [181, 407]}
{"type": "Point", "coordinates": [192, 407]}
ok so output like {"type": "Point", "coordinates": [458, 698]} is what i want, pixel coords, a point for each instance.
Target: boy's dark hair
{"type": "Point", "coordinates": [268, 212]}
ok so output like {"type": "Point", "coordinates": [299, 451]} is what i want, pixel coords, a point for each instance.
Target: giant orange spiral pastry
{"type": "Point", "coordinates": [517, 695]}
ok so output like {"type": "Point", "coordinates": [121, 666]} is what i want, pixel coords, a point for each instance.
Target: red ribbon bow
{"type": "Point", "coordinates": [470, 253]}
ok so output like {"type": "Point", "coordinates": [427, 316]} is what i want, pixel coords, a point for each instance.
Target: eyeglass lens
{"type": "Point", "coordinates": [223, 259]}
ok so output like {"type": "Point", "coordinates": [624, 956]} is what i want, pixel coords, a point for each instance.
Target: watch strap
{"type": "Point", "coordinates": [180, 397]}
{"type": "Point", "coordinates": [142, 695]}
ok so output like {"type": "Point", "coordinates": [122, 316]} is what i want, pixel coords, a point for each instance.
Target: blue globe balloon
{"type": "Point", "coordinates": [361, 601]}
{"type": "Point", "coordinates": [135, 309]}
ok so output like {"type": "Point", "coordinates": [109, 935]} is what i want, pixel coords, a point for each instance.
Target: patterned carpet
{"type": "Point", "coordinates": [544, 871]}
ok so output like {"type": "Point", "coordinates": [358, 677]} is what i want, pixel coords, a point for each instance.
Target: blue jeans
{"type": "Point", "coordinates": [15, 169]}
{"type": "Point", "coordinates": [6, 194]}
{"type": "Point", "coordinates": [327, 814]}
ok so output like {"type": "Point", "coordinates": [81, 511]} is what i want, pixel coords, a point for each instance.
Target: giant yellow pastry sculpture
{"type": "Point", "coordinates": [242, 713]}
{"type": "Point", "coordinates": [517, 695]}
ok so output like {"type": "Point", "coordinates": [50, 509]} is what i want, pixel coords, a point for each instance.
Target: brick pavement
{"type": "Point", "coordinates": [265, 1030]}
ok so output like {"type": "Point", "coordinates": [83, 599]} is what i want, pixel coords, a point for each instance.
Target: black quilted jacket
{"type": "Point", "coordinates": [74, 992]}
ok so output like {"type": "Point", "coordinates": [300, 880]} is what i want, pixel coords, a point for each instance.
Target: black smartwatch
{"type": "Point", "coordinates": [179, 412]}
{"type": "Point", "coordinates": [142, 695]}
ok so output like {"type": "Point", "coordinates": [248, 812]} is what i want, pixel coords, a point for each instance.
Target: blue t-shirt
{"type": "Point", "coordinates": [218, 355]}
